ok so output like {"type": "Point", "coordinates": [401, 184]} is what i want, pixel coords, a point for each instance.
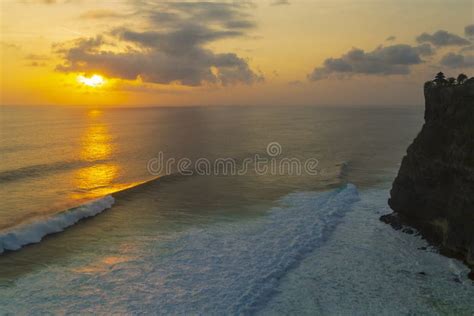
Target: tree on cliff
{"type": "Point", "coordinates": [451, 81]}
{"type": "Point", "coordinates": [461, 78]}
{"type": "Point", "coordinates": [440, 78]}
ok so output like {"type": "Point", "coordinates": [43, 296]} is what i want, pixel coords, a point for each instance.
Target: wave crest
{"type": "Point", "coordinates": [34, 232]}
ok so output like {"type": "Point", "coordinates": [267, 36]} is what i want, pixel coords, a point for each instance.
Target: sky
{"type": "Point", "coordinates": [267, 52]}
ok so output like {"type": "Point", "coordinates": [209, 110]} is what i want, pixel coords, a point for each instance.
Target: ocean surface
{"type": "Point", "coordinates": [86, 226]}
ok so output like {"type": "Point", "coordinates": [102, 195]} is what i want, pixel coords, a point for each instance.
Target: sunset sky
{"type": "Point", "coordinates": [268, 52]}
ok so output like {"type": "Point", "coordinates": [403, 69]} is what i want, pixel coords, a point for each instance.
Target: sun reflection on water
{"type": "Point", "coordinates": [96, 146]}
{"type": "Point", "coordinates": [96, 143]}
{"type": "Point", "coordinates": [97, 180]}
{"type": "Point", "coordinates": [101, 175]}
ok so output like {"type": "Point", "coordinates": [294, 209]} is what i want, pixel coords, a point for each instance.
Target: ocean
{"type": "Point", "coordinates": [93, 221]}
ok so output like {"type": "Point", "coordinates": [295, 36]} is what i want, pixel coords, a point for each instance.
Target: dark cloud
{"type": "Point", "coordinates": [182, 40]}
{"type": "Point", "coordinates": [37, 64]}
{"type": "Point", "coordinates": [216, 14]}
{"type": "Point", "coordinates": [469, 30]}
{"type": "Point", "coordinates": [174, 51]}
{"type": "Point", "coordinates": [454, 60]}
{"type": "Point", "coordinates": [240, 24]}
{"type": "Point", "coordinates": [395, 59]}
{"type": "Point", "coordinates": [442, 38]}
{"type": "Point", "coordinates": [391, 38]}
{"type": "Point", "coordinates": [425, 49]}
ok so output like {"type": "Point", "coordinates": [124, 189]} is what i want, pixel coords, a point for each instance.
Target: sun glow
{"type": "Point", "coordinates": [94, 81]}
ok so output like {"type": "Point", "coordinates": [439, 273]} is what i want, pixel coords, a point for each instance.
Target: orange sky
{"type": "Point", "coordinates": [221, 52]}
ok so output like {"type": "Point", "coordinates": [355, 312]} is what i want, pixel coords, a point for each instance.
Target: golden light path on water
{"type": "Point", "coordinates": [100, 178]}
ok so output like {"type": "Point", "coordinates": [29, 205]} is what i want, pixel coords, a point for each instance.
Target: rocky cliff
{"type": "Point", "coordinates": [434, 188]}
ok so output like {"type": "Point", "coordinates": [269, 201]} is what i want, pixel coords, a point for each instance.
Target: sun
{"type": "Point", "coordinates": [93, 81]}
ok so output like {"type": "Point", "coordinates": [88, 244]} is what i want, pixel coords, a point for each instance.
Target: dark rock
{"type": "Point", "coordinates": [422, 273]}
{"type": "Point", "coordinates": [393, 220]}
{"type": "Point", "coordinates": [408, 231]}
{"type": "Point", "coordinates": [422, 248]}
{"type": "Point", "coordinates": [434, 189]}
{"type": "Point", "coordinates": [457, 280]}
{"type": "Point", "coordinates": [471, 275]}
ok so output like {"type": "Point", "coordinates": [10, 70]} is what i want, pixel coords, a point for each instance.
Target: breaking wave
{"type": "Point", "coordinates": [231, 267]}
{"type": "Point", "coordinates": [17, 237]}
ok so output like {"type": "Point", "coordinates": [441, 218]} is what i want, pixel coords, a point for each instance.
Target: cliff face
{"type": "Point", "coordinates": [434, 189]}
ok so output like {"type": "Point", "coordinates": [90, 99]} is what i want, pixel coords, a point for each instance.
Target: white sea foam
{"type": "Point", "coordinates": [313, 253]}
{"type": "Point", "coordinates": [224, 268]}
{"type": "Point", "coordinates": [368, 268]}
{"type": "Point", "coordinates": [30, 233]}
{"type": "Point", "coordinates": [233, 268]}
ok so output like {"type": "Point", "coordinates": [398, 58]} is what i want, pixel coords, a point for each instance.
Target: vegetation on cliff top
{"type": "Point", "coordinates": [441, 80]}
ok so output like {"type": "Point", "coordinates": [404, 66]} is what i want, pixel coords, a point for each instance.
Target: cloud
{"type": "Point", "coordinates": [280, 2]}
{"type": "Point", "coordinates": [40, 1]}
{"type": "Point", "coordinates": [47, 1]}
{"type": "Point", "coordinates": [469, 30]}
{"type": "Point", "coordinates": [442, 38]}
{"type": "Point", "coordinates": [173, 48]}
{"type": "Point", "coordinates": [37, 64]}
{"type": "Point", "coordinates": [100, 14]}
{"type": "Point", "coordinates": [9, 45]}
{"type": "Point", "coordinates": [182, 40]}
{"type": "Point", "coordinates": [217, 14]}
{"type": "Point", "coordinates": [295, 83]}
{"type": "Point", "coordinates": [425, 49]}
{"type": "Point", "coordinates": [35, 60]}
{"type": "Point", "coordinates": [454, 60]}
{"type": "Point", "coordinates": [389, 60]}
{"type": "Point", "coordinates": [467, 49]}
{"type": "Point", "coordinates": [391, 38]}
{"type": "Point", "coordinates": [36, 57]}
